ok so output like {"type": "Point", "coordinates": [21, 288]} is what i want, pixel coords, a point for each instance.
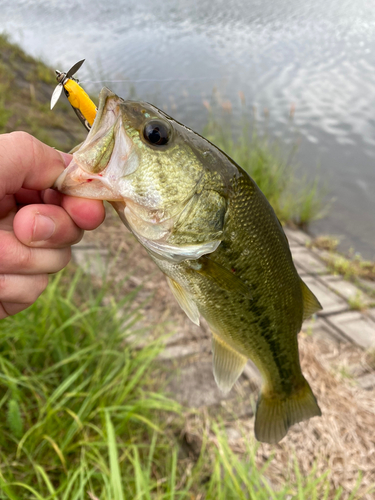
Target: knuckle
{"type": "Point", "coordinates": [29, 145]}
{"type": "Point", "coordinates": [20, 135]}
{"type": "Point", "coordinates": [14, 255]}
{"type": "Point", "coordinates": [27, 141]}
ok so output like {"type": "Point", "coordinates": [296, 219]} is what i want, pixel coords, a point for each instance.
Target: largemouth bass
{"type": "Point", "coordinates": [212, 232]}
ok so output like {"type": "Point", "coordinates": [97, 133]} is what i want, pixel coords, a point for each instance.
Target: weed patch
{"type": "Point", "coordinates": [293, 197]}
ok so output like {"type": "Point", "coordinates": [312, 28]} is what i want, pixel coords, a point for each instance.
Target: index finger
{"type": "Point", "coordinates": [27, 163]}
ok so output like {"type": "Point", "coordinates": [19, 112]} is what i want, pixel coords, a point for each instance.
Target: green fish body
{"type": "Point", "coordinates": [212, 232]}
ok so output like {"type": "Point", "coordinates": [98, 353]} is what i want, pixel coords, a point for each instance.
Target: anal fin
{"type": "Point", "coordinates": [310, 303]}
{"type": "Point", "coordinates": [185, 302]}
{"type": "Point", "coordinates": [228, 364]}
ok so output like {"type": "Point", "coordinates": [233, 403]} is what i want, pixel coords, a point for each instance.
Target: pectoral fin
{"type": "Point", "coordinates": [310, 303]}
{"type": "Point", "coordinates": [185, 302]}
{"type": "Point", "coordinates": [168, 251]}
{"type": "Point", "coordinates": [178, 253]}
{"type": "Point", "coordinates": [227, 363]}
{"type": "Point", "coordinates": [224, 278]}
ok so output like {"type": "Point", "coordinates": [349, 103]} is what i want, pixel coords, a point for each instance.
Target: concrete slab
{"type": "Point", "coordinates": [321, 329]}
{"type": "Point", "coordinates": [301, 270]}
{"type": "Point", "coordinates": [347, 290]}
{"type": "Point", "coordinates": [297, 236]}
{"type": "Point", "coordinates": [367, 285]}
{"type": "Point", "coordinates": [371, 313]}
{"type": "Point", "coordinates": [356, 327]}
{"type": "Point", "coordinates": [291, 241]}
{"type": "Point", "coordinates": [367, 381]}
{"type": "Point", "coordinates": [322, 254]}
{"type": "Point", "coordinates": [331, 302]}
{"type": "Point", "coordinates": [308, 261]}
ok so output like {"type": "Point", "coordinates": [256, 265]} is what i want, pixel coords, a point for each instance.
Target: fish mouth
{"type": "Point", "coordinates": [102, 158]}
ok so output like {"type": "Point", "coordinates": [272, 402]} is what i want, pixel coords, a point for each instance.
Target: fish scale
{"type": "Point", "coordinates": [212, 232]}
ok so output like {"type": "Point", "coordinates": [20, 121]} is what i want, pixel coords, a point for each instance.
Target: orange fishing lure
{"type": "Point", "coordinates": [83, 106]}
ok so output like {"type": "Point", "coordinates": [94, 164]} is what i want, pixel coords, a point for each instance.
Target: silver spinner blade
{"type": "Point", "coordinates": [73, 70]}
{"type": "Point", "coordinates": [56, 95]}
{"type": "Point", "coordinates": [61, 78]}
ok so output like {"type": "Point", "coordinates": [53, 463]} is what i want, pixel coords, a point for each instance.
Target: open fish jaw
{"type": "Point", "coordinates": [93, 173]}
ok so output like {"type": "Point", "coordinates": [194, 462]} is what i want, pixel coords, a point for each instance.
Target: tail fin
{"type": "Point", "coordinates": [275, 415]}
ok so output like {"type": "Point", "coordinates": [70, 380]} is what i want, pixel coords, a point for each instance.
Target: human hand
{"type": "Point", "coordinates": [37, 225]}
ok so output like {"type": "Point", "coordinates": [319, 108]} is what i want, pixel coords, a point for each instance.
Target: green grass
{"type": "Point", "coordinates": [66, 372]}
{"type": "Point", "coordinates": [351, 267]}
{"type": "Point", "coordinates": [294, 198]}
{"type": "Point", "coordinates": [83, 418]}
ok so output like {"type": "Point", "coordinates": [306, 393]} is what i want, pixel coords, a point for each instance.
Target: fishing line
{"type": "Point", "coordinates": [141, 80]}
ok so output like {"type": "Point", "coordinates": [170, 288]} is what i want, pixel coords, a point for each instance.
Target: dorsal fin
{"type": "Point", "coordinates": [310, 303]}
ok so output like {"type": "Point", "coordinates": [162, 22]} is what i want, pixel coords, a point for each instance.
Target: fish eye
{"type": "Point", "coordinates": [157, 132]}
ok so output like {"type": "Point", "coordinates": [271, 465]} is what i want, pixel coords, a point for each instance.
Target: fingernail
{"type": "Point", "coordinates": [44, 227]}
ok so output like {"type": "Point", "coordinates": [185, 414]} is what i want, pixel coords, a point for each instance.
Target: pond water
{"type": "Point", "coordinates": [315, 58]}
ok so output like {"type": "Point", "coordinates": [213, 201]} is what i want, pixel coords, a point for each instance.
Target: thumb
{"type": "Point", "coordinates": [28, 163]}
